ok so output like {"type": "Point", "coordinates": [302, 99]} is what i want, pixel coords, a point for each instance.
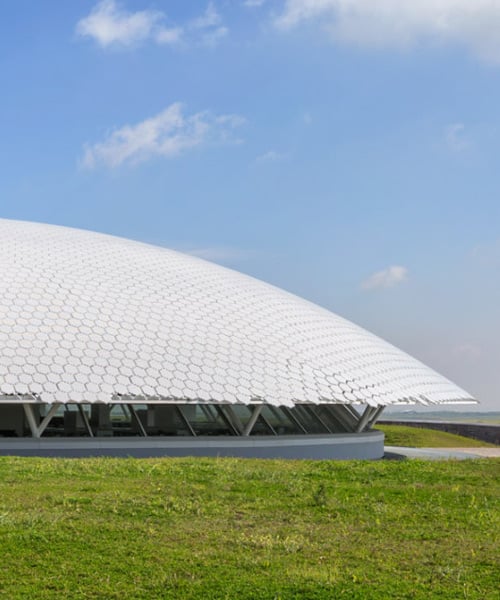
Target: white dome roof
{"type": "Point", "coordinates": [86, 317]}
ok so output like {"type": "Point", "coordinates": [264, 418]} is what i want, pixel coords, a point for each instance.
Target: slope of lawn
{"type": "Point", "coordinates": [236, 528]}
{"type": "Point", "coordinates": [418, 437]}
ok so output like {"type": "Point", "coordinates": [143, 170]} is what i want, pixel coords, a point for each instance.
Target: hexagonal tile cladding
{"type": "Point", "coordinates": [85, 316]}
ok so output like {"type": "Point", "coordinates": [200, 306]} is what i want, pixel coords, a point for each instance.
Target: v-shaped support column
{"type": "Point", "coordinates": [37, 430]}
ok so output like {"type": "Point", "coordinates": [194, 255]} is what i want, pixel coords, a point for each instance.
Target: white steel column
{"type": "Point", "coordinates": [37, 430]}
{"type": "Point", "coordinates": [234, 418]}
{"type": "Point", "coordinates": [135, 416]}
{"type": "Point", "coordinates": [30, 417]}
{"type": "Point", "coordinates": [375, 416]}
{"type": "Point", "coordinates": [367, 414]}
{"type": "Point", "coordinates": [253, 419]}
{"type": "Point", "coordinates": [294, 419]}
{"type": "Point", "coordinates": [183, 417]}
{"type": "Point", "coordinates": [48, 418]}
{"type": "Point", "coordinates": [232, 427]}
{"type": "Point", "coordinates": [85, 420]}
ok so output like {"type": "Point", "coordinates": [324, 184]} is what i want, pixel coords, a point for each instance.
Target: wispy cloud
{"type": "Point", "coordinates": [455, 137]}
{"type": "Point", "coordinates": [385, 279]}
{"type": "Point", "coordinates": [307, 118]}
{"type": "Point", "coordinates": [210, 25]}
{"type": "Point", "coordinates": [402, 23]}
{"type": "Point", "coordinates": [254, 3]}
{"type": "Point", "coordinates": [487, 254]}
{"type": "Point", "coordinates": [467, 351]}
{"type": "Point", "coordinates": [167, 134]}
{"type": "Point", "coordinates": [110, 24]}
{"type": "Point", "coordinates": [270, 156]}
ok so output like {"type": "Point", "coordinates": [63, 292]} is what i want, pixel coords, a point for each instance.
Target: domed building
{"type": "Point", "coordinates": [111, 346]}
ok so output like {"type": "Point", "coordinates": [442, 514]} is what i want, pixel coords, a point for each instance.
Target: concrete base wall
{"type": "Point", "coordinates": [368, 445]}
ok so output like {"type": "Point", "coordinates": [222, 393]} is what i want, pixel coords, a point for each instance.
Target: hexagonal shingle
{"type": "Point", "coordinates": [87, 316]}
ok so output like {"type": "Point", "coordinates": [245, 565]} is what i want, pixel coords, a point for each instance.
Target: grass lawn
{"type": "Point", "coordinates": [236, 528]}
{"type": "Point", "coordinates": [417, 437]}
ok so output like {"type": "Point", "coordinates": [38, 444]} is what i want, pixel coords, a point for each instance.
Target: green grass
{"type": "Point", "coordinates": [229, 528]}
{"type": "Point", "coordinates": [417, 437]}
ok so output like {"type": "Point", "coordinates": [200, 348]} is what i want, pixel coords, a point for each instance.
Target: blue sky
{"type": "Point", "coordinates": [345, 151]}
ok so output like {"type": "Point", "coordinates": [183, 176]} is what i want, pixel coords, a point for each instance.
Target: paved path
{"type": "Point", "coordinates": [441, 453]}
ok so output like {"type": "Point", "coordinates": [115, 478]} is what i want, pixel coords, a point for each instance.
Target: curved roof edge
{"type": "Point", "coordinates": [88, 317]}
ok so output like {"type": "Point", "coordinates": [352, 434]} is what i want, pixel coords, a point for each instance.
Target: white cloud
{"type": "Point", "coordinates": [110, 24]}
{"type": "Point", "coordinates": [169, 36]}
{"type": "Point", "coordinates": [214, 35]}
{"type": "Point", "coordinates": [270, 156]}
{"type": "Point", "coordinates": [467, 351]}
{"type": "Point", "coordinates": [400, 23]}
{"type": "Point", "coordinates": [210, 18]}
{"type": "Point", "coordinates": [455, 138]}
{"type": "Point", "coordinates": [487, 254]}
{"type": "Point", "coordinates": [167, 134]}
{"type": "Point", "coordinates": [253, 3]}
{"type": "Point", "coordinates": [210, 25]}
{"type": "Point", "coordinates": [307, 118]}
{"type": "Point", "coordinates": [385, 279]}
